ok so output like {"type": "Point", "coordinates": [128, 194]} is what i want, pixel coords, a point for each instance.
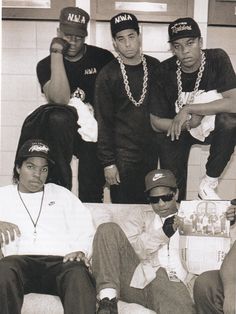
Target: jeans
{"type": "Point", "coordinates": [131, 189]}
{"type": "Point", "coordinates": [57, 125]}
{"type": "Point", "coordinates": [91, 174]}
{"type": "Point", "coordinates": [208, 293]}
{"type": "Point", "coordinates": [24, 274]}
{"type": "Point", "coordinates": [174, 155]}
{"type": "Point", "coordinates": [114, 262]}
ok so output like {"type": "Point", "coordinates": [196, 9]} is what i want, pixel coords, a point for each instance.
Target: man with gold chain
{"type": "Point", "coordinates": [195, 104]}
{"type": "Point", "coordinates": [125, 138]}
{"type": "Point", "coordinates": [46, 237]}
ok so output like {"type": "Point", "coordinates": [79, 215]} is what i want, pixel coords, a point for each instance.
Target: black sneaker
{"type": "Point", "coordinates": [107, 306]}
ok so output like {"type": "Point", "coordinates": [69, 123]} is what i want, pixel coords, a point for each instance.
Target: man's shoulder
{"type": "Point", "coordinates": [169, 63]}
{"type": "Point", "coordinates": [44, 61]}
{"type": "Point", "coordinates": [215, 53]}
{"type": "Point", "coordinates": [152, 60]}
{"type": "Point", "coordinates": [7, 188]}
{"type": "Point", "coordinates": [95, 50]}
{"type": "Point", "coordinates": [110, 68]}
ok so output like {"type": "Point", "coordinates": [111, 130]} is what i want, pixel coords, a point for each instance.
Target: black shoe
{"type": "Point", "coordinates": [107, 306]}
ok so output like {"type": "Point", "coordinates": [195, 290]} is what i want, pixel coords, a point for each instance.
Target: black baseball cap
{"type": "Point", "coordinates": [34, 148]}
{"type": "Point", "coordinates": [123, 21]}
{"type": "Point", "coordinates": [74, 21]}
{"type": "Point", "coordinates": [182, 28]}
{"type": "Point", "coordinates": [160, 177]}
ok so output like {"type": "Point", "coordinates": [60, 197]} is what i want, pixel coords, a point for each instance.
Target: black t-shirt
{"type": "Point", "coordinates": [81, 73]}
{"type": "Point", "coordinates": [123, 129]}
{"type": "Point", "coordinates": [218, 75]}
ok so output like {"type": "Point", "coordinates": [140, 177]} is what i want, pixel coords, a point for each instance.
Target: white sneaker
{"type": "Point", "coordinates": [206, 189]}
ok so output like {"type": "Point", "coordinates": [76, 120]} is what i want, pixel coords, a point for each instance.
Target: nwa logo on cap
{"type": "Point", "coordinates": [39, 148]}
{"type": "Point", "coordinates": [158, 176]}
{"type": "Point", "coordinates": [76, 18]}
{"type": "Point", "coordinates": [122, 18]}
{"type": "Point", "coordinates": [181, 27]}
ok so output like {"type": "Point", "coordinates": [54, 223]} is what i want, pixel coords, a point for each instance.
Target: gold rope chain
{"type": "Point", "coordinates": [179, 102]}
{"type": "Point", "coordinates": [126, 81]}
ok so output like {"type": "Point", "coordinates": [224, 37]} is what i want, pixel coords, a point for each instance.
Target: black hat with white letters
{"type": "Point", "coordinates": [74, 21]}
{"type": "Point", "coordinates": [123, 21]}
{"type": "Point", "coordinates": [183, 28]}
{"type": "Point", "coordinates": [34, 148]}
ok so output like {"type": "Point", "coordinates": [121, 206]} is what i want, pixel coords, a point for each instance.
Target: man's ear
{"type": "Point", "coordinates": [201, 42]}
{"type": "Point", "coordinates": [59, 33]}
{"type": "Point", "coordinates": [177, 194]}
{"type": "Point", "coordinates": [18, 169]}
{"type": "Point", "coordinates": [114, 44]}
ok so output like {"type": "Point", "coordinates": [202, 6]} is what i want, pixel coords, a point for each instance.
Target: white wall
{"type": "Point", "coordinates": [24, 43]}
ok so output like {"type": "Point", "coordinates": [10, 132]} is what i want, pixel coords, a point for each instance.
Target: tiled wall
{"type": "Point", "coordinates": [24, 43]}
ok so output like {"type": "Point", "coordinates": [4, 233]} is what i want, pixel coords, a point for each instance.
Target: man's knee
{"type": "Point", "coordinates": [204, 284]}
{"type": "Point", "coordinates": [61, 118]}
{"type": "Point", "coordinates": [7, 272]}
{"type": "Point", "coordinates": [226, 121]}
{"type": "Point", "coordinates": [108, 229]}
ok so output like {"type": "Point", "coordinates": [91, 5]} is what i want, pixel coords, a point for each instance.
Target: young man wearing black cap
{"type": "Point", "coordinates": [140, 262]}
{"type": "Point", "coordinates": [195, 103]}
{"type": "Point", "coordinates": [68, 76]}
{"type": "Point", "coordinates": [45, 236]}
{"type": "Point", "coordinates": [125, 137]}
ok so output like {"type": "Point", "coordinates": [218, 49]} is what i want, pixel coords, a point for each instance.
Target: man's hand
{"type": "Point", "coordinates": [112, 175]}
{"type": "Point", "coordinates": [59, 44]}
{"type": "Point", "coordinates": [195, 120]}
{"type": "Point", "coordinates": [76, 256]}
{"type": "Point", "coordinates": [231, 212]}
{"type": "Point", "coordinates": [6, 229]}
{"type": "Point", "coordinates": [177, 124]}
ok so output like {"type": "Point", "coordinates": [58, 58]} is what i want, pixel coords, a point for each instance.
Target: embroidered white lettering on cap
{"type": "Point", "coordinates": [122, 18]}
{"type": "Point", "coordinates": [181, 27]}
{"type": "Point", "coordinates": [39, 148]}
{"type": "Point", "coordinates": [76, 18]}
{"type": "Point", "coordinates": [158, 176]}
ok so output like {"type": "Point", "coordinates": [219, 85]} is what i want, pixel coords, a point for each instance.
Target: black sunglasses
{"type": "Point", "coordinates": [165, 198]}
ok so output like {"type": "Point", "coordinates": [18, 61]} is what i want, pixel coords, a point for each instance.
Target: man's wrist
{"type": "Point", "coordinates": [55, 50]}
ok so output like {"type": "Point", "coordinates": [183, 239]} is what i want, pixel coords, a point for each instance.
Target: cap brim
{"type": "Point", "coordinates": [70, 30]}
{"type": "Point", "coordinates": [183, 36]}
{"type": "Point", "coordinates": [37, 155]}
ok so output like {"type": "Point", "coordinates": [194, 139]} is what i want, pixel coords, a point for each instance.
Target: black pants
{"type": "Point", "coordinates": [132, 179]}
{"type": "Point", "coordinates": [174, 155]}
{"type": "Point", "coordinates": [57, 125]}
{"type": "Point", "coordinates": [24, 274]}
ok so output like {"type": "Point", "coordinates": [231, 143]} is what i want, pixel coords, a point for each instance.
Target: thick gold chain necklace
{"type": "Point", "coordinates": [179, 102]}
{"type": "Point", "coordinates": [126, 81]}
{"type": "Point", "coordinates": [39, 213]}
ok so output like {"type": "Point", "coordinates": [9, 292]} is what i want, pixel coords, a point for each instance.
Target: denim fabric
{"type": "Point", "coordinates": [114, 262]}
{"type": "Point", "coordinates": [208, 293]}
{"type": "Point", "coordinates": [174, 154]}
{"type": "Point", "coordinates": [23, 274]}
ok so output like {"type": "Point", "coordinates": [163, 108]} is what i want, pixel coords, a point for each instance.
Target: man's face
{"type": "Point", "coordinates": [127, 43]}
{"type": "Point", "coordinates": [163, 201]}
{"type": "Point", "coordinates": [32, 174]}
{"type": "Point", "coordinates": [76, 44]}
{"type": "Point", "coordinates": [188, 51]}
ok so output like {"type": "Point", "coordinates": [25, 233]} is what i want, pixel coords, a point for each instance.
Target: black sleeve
{"type": "Point", "coordinates": [104, 113]}
{"type": "Point", "coordinates": [43, 70]}
{"type": "Point", "coordinates": [159, 102]}
{"type": "Point", "coordinates": [226, 78]}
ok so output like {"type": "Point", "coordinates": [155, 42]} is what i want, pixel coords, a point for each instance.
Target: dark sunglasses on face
{"type": "Point", "coordinates": [165, 198]}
